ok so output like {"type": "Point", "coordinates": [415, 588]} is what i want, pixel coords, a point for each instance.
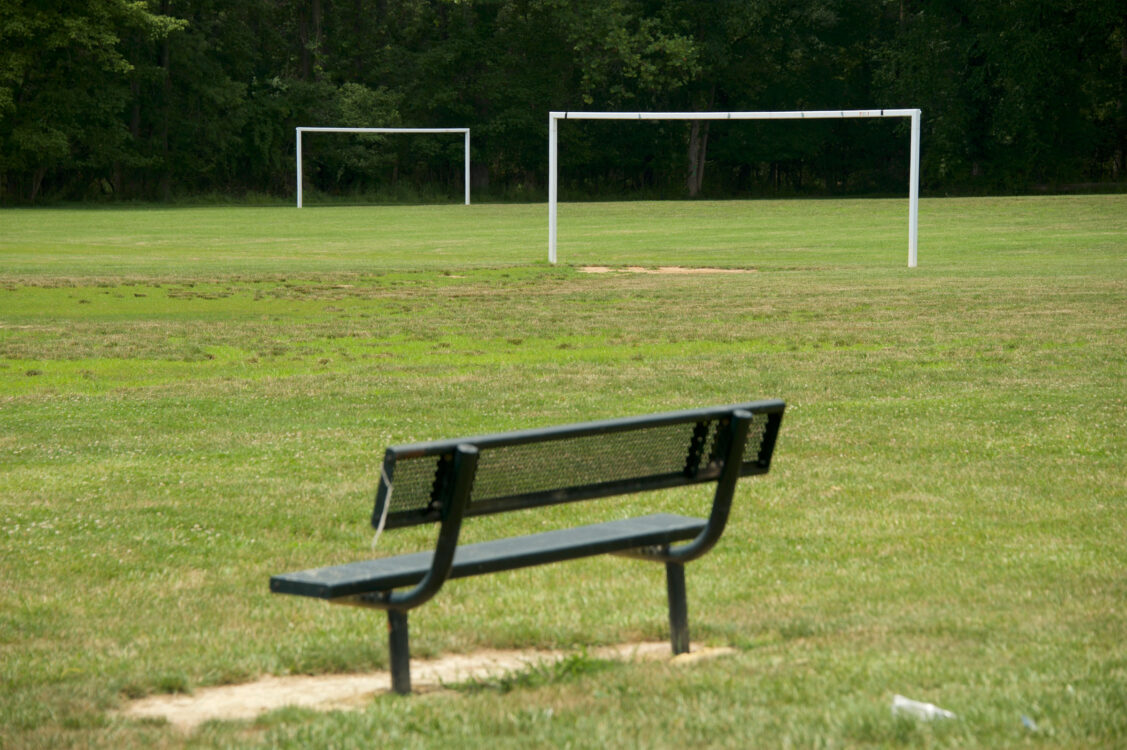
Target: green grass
{"type": "Point", "coordinates": [193, 399]}
{"type": "Point", "coordinates": [178, 244]}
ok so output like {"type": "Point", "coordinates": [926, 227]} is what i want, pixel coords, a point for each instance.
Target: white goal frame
{"type": "Point", "coordinates": [466, 131]}
{"type": "Point", "coordinates": [913, 177]}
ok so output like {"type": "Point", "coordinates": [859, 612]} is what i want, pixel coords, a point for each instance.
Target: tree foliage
{"type": "Point", "coordinates": [133, 99]}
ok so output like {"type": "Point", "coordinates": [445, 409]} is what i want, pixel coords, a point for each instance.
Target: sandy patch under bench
{"type": "Point", "coordinates": [337, 692]}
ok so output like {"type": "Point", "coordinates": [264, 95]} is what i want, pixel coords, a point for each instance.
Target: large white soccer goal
{"type": "Point", "coordinates": [914, 169]}
{"type": "Point", "coordinates": [466, 131]}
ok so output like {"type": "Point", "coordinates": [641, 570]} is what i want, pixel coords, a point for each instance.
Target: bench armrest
{"type": "Point", "coordinates": [453, 510]}
{"type": "Point", "coordinates": [722, 500]}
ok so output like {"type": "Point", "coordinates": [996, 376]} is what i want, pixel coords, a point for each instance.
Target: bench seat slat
{"type": "Point", "coordinates": [369, 576]}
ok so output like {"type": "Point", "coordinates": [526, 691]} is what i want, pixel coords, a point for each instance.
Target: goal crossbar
{"type": "Point", "coordinates": [304, 129]}
{"type": "Point", "coordinates": [914, 168]}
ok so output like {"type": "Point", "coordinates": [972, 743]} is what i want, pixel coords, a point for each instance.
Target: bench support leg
{"type": "Point", "coordinates": [678, 607]}
{"type": "Point", "coordinates": [400, 652]}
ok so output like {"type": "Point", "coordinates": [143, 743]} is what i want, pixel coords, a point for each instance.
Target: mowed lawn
{"type": "Point", "coordinates": [192, 399]}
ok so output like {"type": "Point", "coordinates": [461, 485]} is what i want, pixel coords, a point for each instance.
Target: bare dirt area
{"type": "Point", "coordinates": [674, 270]}
{"type": "Point", "coordinates": [343, 692]}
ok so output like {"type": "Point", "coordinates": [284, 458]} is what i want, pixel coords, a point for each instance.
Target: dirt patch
{"type": "Point", "coordinates": [662, 270]}
{"type": "Point", "coordinates": [354, 691]}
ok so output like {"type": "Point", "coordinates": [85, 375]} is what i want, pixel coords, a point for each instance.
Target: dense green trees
{"type": "Point", "coordinates": [127, 99]}
{"type": "Point", "coordinates": [65, 88]}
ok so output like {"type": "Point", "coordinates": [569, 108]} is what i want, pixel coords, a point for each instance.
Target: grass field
{"type": "Point", "coordinates": [194, 399]}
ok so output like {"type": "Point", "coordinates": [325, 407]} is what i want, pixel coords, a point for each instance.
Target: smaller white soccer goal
{"type": "Point", "coordinates": [465, 131]}
{"type": "Point", "coordinates": [914, 161]}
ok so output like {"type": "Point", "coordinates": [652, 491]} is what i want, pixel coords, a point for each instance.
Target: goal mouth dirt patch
{"type": "Point", "coordinates": [352, 692]}
{"type": "Point", "coordinates": [673, 270]}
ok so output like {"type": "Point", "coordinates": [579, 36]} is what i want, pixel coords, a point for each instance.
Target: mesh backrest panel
{"type": "Point", "coordinates": [755, 435]}
{"type": "Point", "coordinates": [578, 462]}
{"type": "Point", "coordinates": [652, 451]}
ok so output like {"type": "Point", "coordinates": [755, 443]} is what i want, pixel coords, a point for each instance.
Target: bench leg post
{"type": "Point", "coordinates": [400, 652]}
{"type": "Point", "coordinates": [678, 607]}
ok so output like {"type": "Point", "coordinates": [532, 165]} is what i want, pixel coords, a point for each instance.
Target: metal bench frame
{"type": "Point", "coordinates": [373, 584]}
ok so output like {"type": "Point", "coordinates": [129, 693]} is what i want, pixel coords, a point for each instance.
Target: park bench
{"type": "Point", "coordinates": [445, 481]}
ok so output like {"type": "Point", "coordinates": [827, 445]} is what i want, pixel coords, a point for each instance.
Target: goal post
{"type": "Point", "coordinates": [465, 131]}
{"type": "Point", "coordinates": [914, 161]}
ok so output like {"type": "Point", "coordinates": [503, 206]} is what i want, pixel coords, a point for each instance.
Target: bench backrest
{"type": "Point", "coordinates": [536, 467]}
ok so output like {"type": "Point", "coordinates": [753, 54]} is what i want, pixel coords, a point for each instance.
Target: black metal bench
{"type": "Point", "coordinates": [445, 481]}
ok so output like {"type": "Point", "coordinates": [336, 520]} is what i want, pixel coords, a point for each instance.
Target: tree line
{"type": "Point", "coordinates": [160, 99]}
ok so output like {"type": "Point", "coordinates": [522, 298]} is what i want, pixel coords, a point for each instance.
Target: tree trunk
{"type": "Point", "coordinates": [316, 39]}
{"type": "Point", "coordinates": [309, 30]}
{"type": "Point", "coordinates": [166, 111]}
{"type": "Point", "coordinates": [1122, 160]}
{"type": "Point", "coordinates": [36, 183]}
{"type": "Point", "coordinates": [118, 181]}
{"type": "Point", "coordinates": [698, 152]}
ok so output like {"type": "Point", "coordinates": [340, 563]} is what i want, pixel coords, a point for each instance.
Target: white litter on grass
{"type": "Point", "coordinates": [902, 706]}
{"type": "Point", "coordinates": [345, 692]}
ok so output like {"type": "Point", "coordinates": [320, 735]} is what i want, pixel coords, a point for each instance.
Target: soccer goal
{"type": "Point", "coordinates": [914, 169]}
{"type": "Point", "coordinates": [465, 131]}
